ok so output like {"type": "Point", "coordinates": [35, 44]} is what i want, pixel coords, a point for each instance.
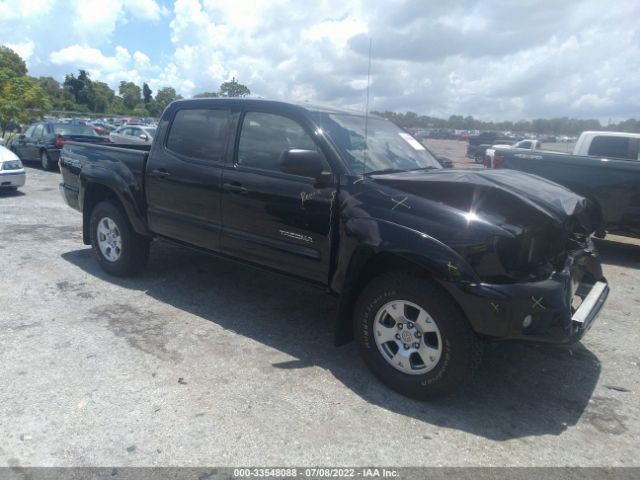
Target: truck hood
{"type": "Point", "coordinates": [461, 188]}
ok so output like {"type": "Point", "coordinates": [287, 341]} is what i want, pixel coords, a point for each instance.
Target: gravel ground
{"type": "Point", "coordinates": [201, 362]}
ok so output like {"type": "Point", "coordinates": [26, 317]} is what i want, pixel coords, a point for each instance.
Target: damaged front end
{"type": "Point", "coordinates": [529, 242]}
{"type": "Point", "coordinates": [559, 307]}
{"type": "Point", "coordinates": [543, 282]}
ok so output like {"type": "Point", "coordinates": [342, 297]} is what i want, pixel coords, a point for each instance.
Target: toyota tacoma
{"type": "Point", "coordinates": [426, 263]}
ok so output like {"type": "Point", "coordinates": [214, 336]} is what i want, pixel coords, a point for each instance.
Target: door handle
{"type": "Point", "coordinates": [161, 173]}
{"type": "Point", "coordinates": [235, 187]}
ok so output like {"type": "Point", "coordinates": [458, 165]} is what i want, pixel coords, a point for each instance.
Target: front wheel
{"type": "Point", "coordinates": [119, 249]}
{"type": "Point", "coordinates": [413, 336]}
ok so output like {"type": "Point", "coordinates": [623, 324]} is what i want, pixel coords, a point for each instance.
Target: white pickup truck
{"type": "Point", "coordinates": [526, 144]}
{"type": "Point", "coordinates": [621, 145]}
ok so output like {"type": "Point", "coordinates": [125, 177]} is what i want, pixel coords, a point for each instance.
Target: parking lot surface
{"type": "Point", "coordinates": [200, 361]}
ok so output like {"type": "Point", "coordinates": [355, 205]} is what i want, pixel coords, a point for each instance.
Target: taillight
{"type": "Point", "coordinates": [60, 141]}
{"type": "Point", "coordinates": [498, 160]}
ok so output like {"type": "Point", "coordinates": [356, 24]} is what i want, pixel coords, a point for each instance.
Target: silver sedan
{"type": "Point", "coordinates": [12, 174]}
{"type": "Point", "coordinates": [133, 134]}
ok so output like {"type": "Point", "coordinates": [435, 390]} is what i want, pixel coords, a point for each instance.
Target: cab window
{"type": "Point", "coordinates": [198, 134]}
{"type": "Point", "coordinates": [265, 136]}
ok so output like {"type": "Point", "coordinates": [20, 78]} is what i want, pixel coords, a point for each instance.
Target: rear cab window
{"type": "Point", "coordinates": [198, 134]}
{"type": "Point", "coordinates": [617, 147]}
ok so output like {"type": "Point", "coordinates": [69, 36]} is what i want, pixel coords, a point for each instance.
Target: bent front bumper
{"type": "Point", "coordinates": [560, 309]}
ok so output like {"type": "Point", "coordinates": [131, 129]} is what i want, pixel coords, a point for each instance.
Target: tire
{"type": "Point", "coordinates": [123, 254]}
{"type": "Point", "coordinates": [460, 350]}
{"type": "Point", "coordinates": [46, 163]}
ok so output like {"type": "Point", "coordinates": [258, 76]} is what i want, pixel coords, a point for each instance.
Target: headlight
{"type": "Point", "coordinates": [11, 165]}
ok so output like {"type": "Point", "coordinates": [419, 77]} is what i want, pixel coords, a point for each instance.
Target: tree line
{"type": "Point", "coordinates": [547, 126]}
{"type": "Point", "coordinates": [24, 98]}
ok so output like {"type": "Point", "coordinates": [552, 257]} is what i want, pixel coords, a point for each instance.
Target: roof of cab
{"type": "Point", "coordinates": [259, 101]}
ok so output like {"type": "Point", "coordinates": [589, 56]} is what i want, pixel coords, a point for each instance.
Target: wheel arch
{"type": "Point", "coordinates": [96, 192]}
{"type": "Point", "coordinates": [368, 263]}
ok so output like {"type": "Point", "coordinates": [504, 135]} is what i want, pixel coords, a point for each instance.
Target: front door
{"type": "Point", "coordinates": [272, 218]}
{"type": "Point", "coordinates": [183, 176]}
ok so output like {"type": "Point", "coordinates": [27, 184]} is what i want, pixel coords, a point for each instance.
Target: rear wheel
{"type": "Point", "coordinates": [46, 163]}
{"type": "Point", "coordinates": [118, 248]}
{"type": "Point", "coordinates": [413, 336]}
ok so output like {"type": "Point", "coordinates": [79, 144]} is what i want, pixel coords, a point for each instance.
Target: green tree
{"type": "Point", "coordinates": [116, 107]}
{"type": "Point", "coordinates": [53, 89]}
{"type": "Point", "coordinates": [234, 89]}
{"type": "Point", "coordinates": [103, 97]}
{"type": "Point", "coordinates": [146, 93]}
{"type": "Point", "coordinates": [22, 100]}
{"type": "Point", "coordinates": [131, 94]}
{"type": "Point", "coordinates": [164, 97]}
{"type": "Point", "coordinates": [11, 63]}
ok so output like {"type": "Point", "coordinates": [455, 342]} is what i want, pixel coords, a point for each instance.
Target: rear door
{"type": "Point", "coordinates": [272, 218]}
{"type": "Point", "coordinates": [20, 144]}
{"type": "Point", "coordinates": [34, 142]}
{"type": "Point", "coordinates": [183, 176]}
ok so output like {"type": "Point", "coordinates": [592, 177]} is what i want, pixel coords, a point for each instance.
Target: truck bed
{"type": "Point", "coordinates": [126, 161]}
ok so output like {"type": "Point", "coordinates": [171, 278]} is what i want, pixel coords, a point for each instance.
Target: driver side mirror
{"type": "Point", "coordinates": [445, 162]}
{"type": "Point", "coordinates": [306, 163]}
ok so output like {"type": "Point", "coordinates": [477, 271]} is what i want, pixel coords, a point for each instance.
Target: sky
{"type": "Point", "coordinates": [493, 59]}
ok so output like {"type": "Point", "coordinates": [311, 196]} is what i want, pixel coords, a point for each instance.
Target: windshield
{"type": "Point", "coordinates": [63, 129]}
{"type": "Point", "coordinates": [388, 146]}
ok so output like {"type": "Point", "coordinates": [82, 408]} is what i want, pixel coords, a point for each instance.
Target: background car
{"type": "Point", "coordinates": [43, 141]}
{"type": "Point", "coordinates": [136, 135]}
{"type": "Point", "coordinates": [12, 174]}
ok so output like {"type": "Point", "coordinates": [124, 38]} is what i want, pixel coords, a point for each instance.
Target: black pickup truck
{"type": "Point", "coordinates": [612, 184]}
{"type": "Point", "coordinates": [426, 262]}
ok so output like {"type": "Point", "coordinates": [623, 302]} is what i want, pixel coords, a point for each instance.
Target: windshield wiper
{"type": "Point", "coordinates": [385, 170]}
{"type": "Point", "coordinates": [425, 168]}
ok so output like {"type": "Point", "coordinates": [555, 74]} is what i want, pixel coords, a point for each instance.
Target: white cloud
{"type": "Point", "coordinates": [145, 9]}
{"type": "Point", "coordinates": [141, 60]}
{"type": "Point", "coordinates": [24, 49]}
{"type": "Point", "coordinates": [24, 9]}
{"type": "Point", "coordinates": [490, 59]}
{"type": "Point", "coordinates": [85, 57]}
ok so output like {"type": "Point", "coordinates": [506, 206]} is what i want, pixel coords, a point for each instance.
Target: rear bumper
{"type": "Point", "coordinates": [12, 178]}
{"type": "Point", "coordinates": [560, 309]}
